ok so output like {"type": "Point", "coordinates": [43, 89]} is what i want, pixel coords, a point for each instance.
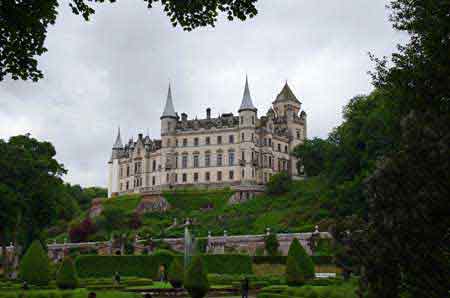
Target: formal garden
{"type": "Point", "coordinates": [164, 273]}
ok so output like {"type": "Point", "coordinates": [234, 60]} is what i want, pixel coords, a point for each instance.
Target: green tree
{"type": "Point", "coordinates": [35, 265]}
{"type": "Point", "coordinates": [24, 25]}
{"type": "Point", "coordinates": [31, 172]}
{"type": "Point", "coordinates": [176, 273]}
{"type": "Point", "coordinates": [297, 256]}
{"type": "Point", "coordinates": [407, 234]}
{"type": "Point", "coordinates": [312, 155]}
{"type": "Point", "coordinates": [279, 183]}
{"type": "Point", "coordinates": [271, 244]}
{"type": "Point", "coordinates": [113, 219]}
{"type": "Point", "coordinates": [196, 280]}
{"type": "Point", "coordinates": [66, 277]}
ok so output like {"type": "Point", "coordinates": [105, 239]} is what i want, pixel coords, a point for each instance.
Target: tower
{"type": "Point", "coordinates": [247, 125]}
{"type": "Point", "coordinates": [168, 128]}
{"type": "Point", "coordinates": [114, 167]}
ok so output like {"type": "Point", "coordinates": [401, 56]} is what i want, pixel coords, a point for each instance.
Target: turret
{"type": "Point", "coordinates": [117, 147]}
{"type": "Point", "coordinates": [286, 104]}
{"type": "Point", "coordinates": [113, 167]}
{"type": "Point", "coordinates": [168, 117]}
{"type": "Point", "coordinates": [247, 111]}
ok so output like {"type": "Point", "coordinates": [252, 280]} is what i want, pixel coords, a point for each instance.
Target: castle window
{"type": "Point", "coordinates": [270, 162]}
{"type": "Point", "coordinates": [195, 141]}
{"type": "Point", "coordinates": [219, 160]}
{"type": "Point", "coordinates": [219, 139]}
{"type": "Point", "coordinates": [279, 147]}
{"type": "Point", "coordinates": [253, 120]}
{"type": "Point", "coordinates": [243, 155]}
{"type": "Point", "coordinates": [176, 162]}
{"type": "Point", "coordinates": [184, 161]}
{"type": "Point", "coordinates": [285, 149]}
{"type": "Point", "coordinates": [253, 172]}
{"type": "Point", "coordinates": [184, 142]}
{"type": "Point", "coordinates": [253, 156]}
{"type": "Point", "coordinates": [231, 175]}
{"type": "Point", "coordinates": [207, 141]}
{"type": "Point", "coordinates": [153, 180]}
{"type": "Point", "coordinates": [298, 134]}
{"type": "Point", "coordinates": [243, 173]}
{"type": "Point", "coordinates": [127, 185]}
{"type": "Point", "coordinates": [195, 177]}
{"type": "Point", "coordinates": [121, 172]}
{"type": "Point", "coordinates": [184, 177]}
{"type": "Point", "coordinates": [230, 158]}
{"type": "Point", "coordinates": [219, 176]}
{"type": "Point", "coordinates": [242, 137]}
{"type": "Point", "coordinates": [231, 139]}
{"type": "Point", "coordinates": [154, 165]}
{"type": "Point", "coordinates": [176, 142]}
{"type": "Point", "coordinates": [175, 178]}
{"type": "Point", "coordinates": [207, 160]}
{"type": "Point", "coordinates": [270, 142]}
{"type": "Point", "coordinates": [128, 171]}
{"type": "Point", "coordinates": [195, 161]}
{"type": "Point", "coordinates": [207, 176]}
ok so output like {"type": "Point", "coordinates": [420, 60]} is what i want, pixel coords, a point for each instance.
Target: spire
{"type": "Point", "coordinates": [169, 110]}
{"type": "Point", "coordinates": [247, 103]}
{"type": "Point", "coordinates": [118, 143]}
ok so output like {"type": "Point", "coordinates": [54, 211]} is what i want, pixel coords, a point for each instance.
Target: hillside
{"type": "Point", "coordinates": [298, 210]}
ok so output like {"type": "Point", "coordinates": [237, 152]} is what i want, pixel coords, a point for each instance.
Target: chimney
{"type": "Point", "coordinates": [140, 136]}
{"type": "Point", "coordinates": [208, 113]}
{"type": "Point", "coordinates": [183, 117]}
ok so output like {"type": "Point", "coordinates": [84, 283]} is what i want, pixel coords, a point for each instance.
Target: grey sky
{"type": "Point", "coordinates": [115, 70]}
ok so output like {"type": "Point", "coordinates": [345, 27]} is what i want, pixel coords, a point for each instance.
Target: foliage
{"type": "Point", "coordinates": [82, 231]}
{"type": "Point", "coordinates": [24, 25]}
{"type": "Point", "coordinates": [271, 244]}
{"type": "Point", "coordinates": [35, 266]}
{"type": "Point", "coordinates": [279, 183]}
{"type": "Point", "coordinates": [201, 245]}
{"type": "Point", "coordinates": [299, 264]}
{"type": "Point", "coordinates": [66, 277]}
{"type": "Point", "coordinates": [333, 290]}
{"type": "Point", "coordinates": [313, 155]}
{"type": "Point", "coordinates": [175, 273]}
{"type": "Point", "coordinates": [196, 280]}
{"type": "Point", "coordinates": [112, 219]}
{"type": "Point", "coordinates": [404, 249]}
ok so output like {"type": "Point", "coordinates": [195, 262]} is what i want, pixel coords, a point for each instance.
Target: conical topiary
{"type": "Point", "coordinates": [176, 273]}
{"type": "Point", "coordinates": [66, 277]}
{"type": "Point", "coordinates": [35, 266]}
{"type": "Point", "coordinates": [298, 256]}
{"type": "Point", "coordinates": [294, 276]}
{"type": "Point", "coordinates": [196, 280]}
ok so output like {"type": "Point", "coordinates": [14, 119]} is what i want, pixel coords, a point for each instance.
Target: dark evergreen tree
{"type": "Point", "coordinates": [35, 266]}
{"type": "Point", "coordinates": [175, 273]}
{"type": "Point", "coordinates": [66, 277]}
{"type": "Point", "coordinates": [196, 280]}
{"type": "Point", "coordinates": [271, 244]}
{"type": "Point", "coordinates": [299, 262]}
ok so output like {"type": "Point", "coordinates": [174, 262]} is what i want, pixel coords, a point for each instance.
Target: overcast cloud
{"type": "Point", "coordinates": [115, 70]}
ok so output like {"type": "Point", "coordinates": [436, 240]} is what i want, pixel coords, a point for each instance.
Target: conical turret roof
{"type": "Point", "coordinates": [286, 94]}
{"type": "Point", "coordinates": [169, 110]}
{"type": "Point", "coordinates": [246, 103]}
{"type": "Point", "coordinates": [118, 142]}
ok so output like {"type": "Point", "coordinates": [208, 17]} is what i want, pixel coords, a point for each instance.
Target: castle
{"type": "Point", "coordinates": [241, 151]}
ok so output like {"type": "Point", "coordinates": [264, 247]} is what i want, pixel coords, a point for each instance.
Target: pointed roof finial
{"type": "Point", "coordinates": [247, 103]}
{"type": "Point", "coordinates": [169, 110]}
{"type": "Point", "coordinates": [286, 94]}
{"type": "Point", "coordinates": [118, 142]}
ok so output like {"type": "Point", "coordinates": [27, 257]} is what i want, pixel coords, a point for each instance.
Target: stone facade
{"type": "Point", "coordinates": [230, 150]}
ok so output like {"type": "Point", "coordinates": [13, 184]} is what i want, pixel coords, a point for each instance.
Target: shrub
{"type": "Point", "coordinates": [271, 244]}
{"type": "Point", "coordinates": [201, 245]}
{"type": "Point", "coordinates": [304, 261]}
{"type": "Point", "coordinates": [196, 280]}
{"type": "Point", "coordinates": [279, 183]}
{"type": "Point", "coordinates": [294, 276]}
{"type": "Point", "coordinates": [176, 273]}
{"type": "Point", "coordinates": [228, 264]}
{"type": "Point", "coordinates": [35, 266]}
{"type": "Point", "coordinates": [82, 231]}
{"type": "Point", "coordinates": [67, 275]}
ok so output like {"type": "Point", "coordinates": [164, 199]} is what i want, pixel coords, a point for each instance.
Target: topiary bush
{"type": "Point", "coordinates": [271, 244]}
{"type": "Point", "coordinates": [176, 273]}
{"type": "Point", "coordinates": [66, 277]}
{"type": "Point", "coordinates": [196, 280]}
{"type": "Point", "coordinates": [35, 266]}
{"type": "Point", "coordinates": [294, 276]}
{"type": "Point", "coordinates": [297, 256]}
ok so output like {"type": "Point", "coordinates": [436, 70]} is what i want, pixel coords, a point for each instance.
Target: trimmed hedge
{"type": "Point", "coordinates": [318, 260]}
{"type": "Point", "coordinates": [66, 277]}
{"type": "Point", "coordinates": [148, 266]}
{"type": "Point", "coordinates": [228, 264]}
{"type": "Point", "coordinates": [196, 280]}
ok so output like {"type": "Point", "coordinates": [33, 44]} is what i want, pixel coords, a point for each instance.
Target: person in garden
{"type": "Point", "coordinates": [117, 278]}
{"type": "Point", "coordinates": [245, 287]}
